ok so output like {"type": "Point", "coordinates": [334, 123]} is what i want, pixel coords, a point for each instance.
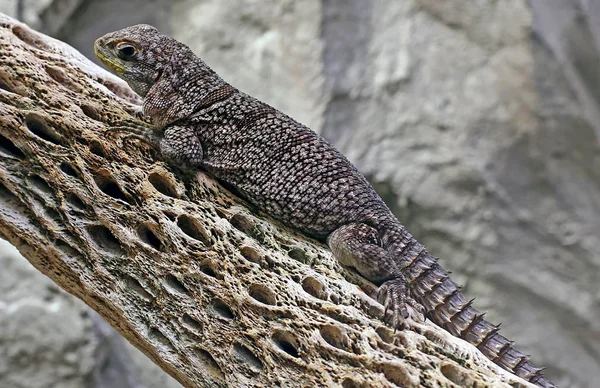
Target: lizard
{"type": "Point", "coordinates": [199, 121]}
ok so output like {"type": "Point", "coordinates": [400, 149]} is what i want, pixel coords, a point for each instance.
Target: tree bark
{"type": "Point", "coordinates": [213, 292]}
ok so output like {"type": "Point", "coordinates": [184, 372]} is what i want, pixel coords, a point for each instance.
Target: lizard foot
{"type": "Point", "coordinates": [140, 116]}
{"type": "Point", "coordinates": [136, 130]}
{"type": "Point", "coordinates": [394, 296]}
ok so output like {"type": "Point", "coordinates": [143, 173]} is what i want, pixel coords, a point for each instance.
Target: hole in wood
{"type": "Point", "coordinates": [104, 238]}
{"type": "Point", "coordinates": [334, 298]}
{"type": "Point", "coordinates": [210, 366]}
{"type": "Point", "coordinates": [299, 254]}
{"type": "Point", "coordinates": [53, 215]}
{"type": "Point", "coordinates": [398, 375]}
{"type": "Point", "coordinates": [40, 184]}
{"type": "Point", "coordinates": [8, 200]}
{"type": "Point", "coordinates": [286, 342]}
{"type": "Point", "coordinates": [192, 228]}
{"type": "Point", "coordinates": [132, 285]}
{"type": "Point", "coordinates": [163, 185]}
{"type": "Point", "coordinates": [244, 355]}
{"type": "Point", "coordinates": [385, 334]}
{"type": "Point", "coordinates": [221, 310]}
{"type": "Point", "coordinates": [6, 85]}
{"type": "Point", "coordinates": [67, 249]}
{"type": "Point", "coordinates": [335, 336]}
{"type": "Point", "coordinates": [251, 254]}
{"type": "Point", "coordinates": [247, 225]}
{"type": "Point", "coordinates": [68, 169]}
{"type": "Point", "coordinates": [63, 78]}
{"type": "Point", "coordinates": [242, 223]}
{"type": "Point", "coordinates": [9, 148]}
{"type": "Point", "coordinates": [208, 270]}
{"type": "Point", "coordinates": [314, 287]}
{"type": "Point", "coordinates": [262, 294]}
{"type": "Point", "coordinates": [109, 187]}
{"type": "Point", "coordinates": [222, 213]}
{"type": "Point", "coordinates": [76, 202]}
{"type": "Point", "coordinates": [349, 382]}
{"type": "Point", "coordinates": [97, 149]}
{"type": "Point", "coordinates": [91, 112]}
{"type": "Point", "coordinates": [148, 237]}
{"type": "Point", "coordinates": [191, 324]}
{"type": "Point", "coordinates": [457, 375]}
{"type": "Point", "coordinates": [39, 127]}
{"type": "Point", "coordinates": [171, 216]}
{"type": "Point", "coordinates": [174, 284]}
{"type": "Point", "coordinates": [159, 338]}
{"type": "Point", "coordinates": [30, 37]}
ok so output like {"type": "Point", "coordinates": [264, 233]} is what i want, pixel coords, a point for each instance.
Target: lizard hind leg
{"type": "Point", "coordinates": [358, 246]}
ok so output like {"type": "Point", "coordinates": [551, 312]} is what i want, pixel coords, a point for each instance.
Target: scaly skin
{"type": "Point", "coordinates": [290, 172]}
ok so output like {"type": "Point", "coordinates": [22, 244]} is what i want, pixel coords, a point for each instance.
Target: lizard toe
{"type": "Point", "coordinates": [393, 295]}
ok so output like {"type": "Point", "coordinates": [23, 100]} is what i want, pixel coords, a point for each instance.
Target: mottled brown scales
{"type": "Point", "coordinates": [293, 174]}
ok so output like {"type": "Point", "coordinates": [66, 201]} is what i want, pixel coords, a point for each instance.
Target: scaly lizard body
{"type": "Point", "coordinates": [292, 173]}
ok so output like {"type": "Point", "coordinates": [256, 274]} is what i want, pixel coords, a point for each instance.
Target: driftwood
{"type": "Point", "coordinates": [213, 292]}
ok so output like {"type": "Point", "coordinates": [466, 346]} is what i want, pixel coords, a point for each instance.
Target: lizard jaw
{"type": "Point", "coordinates": [106, 59]}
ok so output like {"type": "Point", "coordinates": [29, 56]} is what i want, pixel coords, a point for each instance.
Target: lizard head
{"type": "Point", "coordinates": [172, 80]}
{"type": "Point", "coordinates": [139, 54]}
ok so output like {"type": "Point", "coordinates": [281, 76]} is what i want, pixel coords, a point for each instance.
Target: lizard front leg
{"type": "Point", "coordinates": [180, 145]}
{"type": "Point", "coordinates": [358, 246]}
{"type": "Point", "coordinates": [137, 129]}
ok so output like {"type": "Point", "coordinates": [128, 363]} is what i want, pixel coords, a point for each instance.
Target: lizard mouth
{"type": "Point", "coordinates": [106, 60]}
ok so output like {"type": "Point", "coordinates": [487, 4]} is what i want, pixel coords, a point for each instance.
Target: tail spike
{"type": "Point", "coordinates": [480, 316]}
{"type": "Point", "coordinates": [540, 370]}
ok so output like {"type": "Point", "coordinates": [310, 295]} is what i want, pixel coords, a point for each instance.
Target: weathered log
{"type": "Point", "coordinates": [213, 292]}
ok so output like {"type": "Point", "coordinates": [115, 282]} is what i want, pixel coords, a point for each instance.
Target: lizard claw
{"type": "Point", "coordinates": [139, 115]}
{"type": "Point", "coordinates": [135, 130]}
{"type": "Point", "coordinates": [394, 296]}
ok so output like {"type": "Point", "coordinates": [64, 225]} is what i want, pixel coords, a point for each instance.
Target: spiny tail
{"type": "Point", "coordinates": [431, 286]}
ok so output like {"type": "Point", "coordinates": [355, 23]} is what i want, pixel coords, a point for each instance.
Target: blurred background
{"type": "Point", "coordinates": [477, 121]}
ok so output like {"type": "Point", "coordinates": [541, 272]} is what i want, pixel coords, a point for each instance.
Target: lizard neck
{"type": "Point", "coordinates": [180, 90]}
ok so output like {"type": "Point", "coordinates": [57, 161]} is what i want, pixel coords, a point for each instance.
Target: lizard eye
{"type": "Point", "coordinates": [126, 51]}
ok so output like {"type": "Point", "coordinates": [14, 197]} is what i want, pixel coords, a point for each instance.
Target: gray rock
{"type": "Point", "coordinates": [8, 7]}
{"type": "Point", "coordinates": [46, 337]}
{"type": "Point", "coordinates": [27, 11]}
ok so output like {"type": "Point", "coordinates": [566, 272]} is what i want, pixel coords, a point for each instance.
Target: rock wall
{"type": "Point", "coordinates": [476, 121]}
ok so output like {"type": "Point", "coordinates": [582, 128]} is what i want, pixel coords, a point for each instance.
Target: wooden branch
{"type": "Point", "coordinates": [213, 293]}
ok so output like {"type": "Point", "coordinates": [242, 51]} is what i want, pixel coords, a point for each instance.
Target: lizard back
{"type": "Point", "coordinates": [284, 168]}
